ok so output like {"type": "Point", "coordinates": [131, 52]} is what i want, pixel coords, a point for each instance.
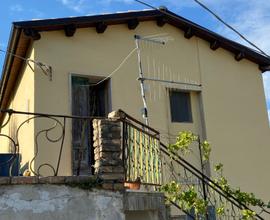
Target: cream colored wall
{"type": "Point", "coordinates": [5, 142]}
{"type": "Point", "coordinates": [22, 100]}
{"type": "Point", "coordinates": [232, 92]}
{"type": "Point", "coordinates": [89, 53]}
{"type": "Point", "coordinates": [236, 118]}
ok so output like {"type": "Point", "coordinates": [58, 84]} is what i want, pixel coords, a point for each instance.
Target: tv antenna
{"type": "Point", "coordinates": [141, 77]}
{"type": "Point", "coordinates": [156, 40]}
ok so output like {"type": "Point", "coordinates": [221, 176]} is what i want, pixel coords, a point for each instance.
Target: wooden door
{"type": "Point", "coordinates": [87, 100]}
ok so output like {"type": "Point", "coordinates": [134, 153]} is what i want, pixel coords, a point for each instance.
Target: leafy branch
{"type": "Point", "coordinates": [184, 141]}
{"type": "Point", "coordinates": [189, 199]}
{"type": "Point", "coordinates": [186, 199]}
{"type": "Point", "coordinates": [243, 197]}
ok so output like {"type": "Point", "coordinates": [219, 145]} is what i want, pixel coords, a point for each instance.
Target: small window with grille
{"type": "Point", "coordinates": [180, 106]}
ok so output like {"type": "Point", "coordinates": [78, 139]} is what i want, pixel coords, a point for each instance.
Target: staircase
{"type": "Point", "coordinates": [175, 168]}
{"type": "Point", "coordinates": [149, 159]}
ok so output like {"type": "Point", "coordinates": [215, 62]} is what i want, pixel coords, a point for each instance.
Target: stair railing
{"type": "Point", "coordinates": [221, 204]}
{"type": "Point", "coordinates": [146, 158]}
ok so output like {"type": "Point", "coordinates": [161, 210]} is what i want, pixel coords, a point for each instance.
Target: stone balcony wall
{"type": "Point", "coordinates": [109, 153]}
{"type": "Point", "coordinates": [97, 197]}
{"type": "Point", "coordinates": [63, 202]}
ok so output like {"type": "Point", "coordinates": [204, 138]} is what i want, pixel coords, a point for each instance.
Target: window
{"type": "Point", "coordinates": [180, 106]}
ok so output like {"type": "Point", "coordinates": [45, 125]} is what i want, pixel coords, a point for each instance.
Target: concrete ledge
{"type": "Point", "coordinates": [145, 201]}
{"type": "Point", "coordinates": [61, 202]}
{"type": "Point", "coordinates": [23, 180]}
{"type": "Point", "coordinates": [135, 201]}
{"type": "Point", "coordinates": [85, 182]}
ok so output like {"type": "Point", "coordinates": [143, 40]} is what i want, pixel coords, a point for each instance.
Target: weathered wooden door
{"type": "Point", "coordinates": [87, 100]}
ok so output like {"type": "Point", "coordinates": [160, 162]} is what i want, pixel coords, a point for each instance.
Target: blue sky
{"type": "Point", "coordinates": [252, 17]}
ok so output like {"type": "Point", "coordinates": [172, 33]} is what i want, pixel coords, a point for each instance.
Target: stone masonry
{"type": "Point", "coordinates": [101, 196]}
{"type": "Point", "coordinates": [108, 153]}
{"type": "Point", "coordinates": [62, 202]}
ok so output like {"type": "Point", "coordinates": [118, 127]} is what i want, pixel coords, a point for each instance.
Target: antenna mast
{"type": "Point", "coordinates": [141, 79]}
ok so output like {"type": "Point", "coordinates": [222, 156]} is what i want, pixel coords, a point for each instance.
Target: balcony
{"type": "Point", "coordinates": [117, 154]}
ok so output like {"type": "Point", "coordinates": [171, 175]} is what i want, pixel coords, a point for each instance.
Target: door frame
{"type": "Point", "coordinates": [109, 103]}
{"type": "Point", "coordinates": [109, 107]}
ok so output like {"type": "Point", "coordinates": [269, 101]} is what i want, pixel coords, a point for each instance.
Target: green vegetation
{"type": "Point", "coordinates": [188, 197]}
{"type": "Point", "coordinates": [86, 185]}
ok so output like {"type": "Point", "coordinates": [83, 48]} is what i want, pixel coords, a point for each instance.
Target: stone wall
{"type": "Point", "coordinates": [145, 205]}
{"type": "Point", "coordinates": [108, 153]}
{"type": "Point", "coordinates": [50, 202]}
{"type": "Point", "coordinates": [98, 197]}
{"type": "Point", "coordinates": [69, 198]}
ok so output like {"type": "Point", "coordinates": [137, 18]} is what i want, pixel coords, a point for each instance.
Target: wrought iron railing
{"type": "Point", "coordinates": [141, 150]}
{"type": "Point", "coordinates": [221, 204]}
{"type": "Point", "coordinates": [54, 129]}
{"type": "Point", "coordinates": [144, 157]}
{"type": "Point", "coordinates": [147, 158]}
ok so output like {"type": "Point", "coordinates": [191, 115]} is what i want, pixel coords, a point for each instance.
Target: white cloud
{"type": "Point", "coordinates": [254, 22]}
{"type": "Point", "coordinates": [91, 7]}
{"type": "Point", "coordinates": [36, 13]}
{"type": "Point", "coordinates": [252, 19]}
{"type": "Point", "coordinates": [77, 6]}
{"type": "Point", "coordinates": [266, 79]}
{"type": "Point", "coordinates": [114, 1]}
{"type": "Point", "coordinates": [16, 8]}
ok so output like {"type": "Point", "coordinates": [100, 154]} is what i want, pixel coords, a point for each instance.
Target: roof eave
{"type": "Point", "coordinates": [119, 18]}
{"type": "Point", "coordinates": [13, 41]}
{"type": "Point", "coordinates": [170, 17]}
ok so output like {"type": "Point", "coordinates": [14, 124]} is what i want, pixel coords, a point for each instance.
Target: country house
{"type": "Point", "coordinates": [153, 65]}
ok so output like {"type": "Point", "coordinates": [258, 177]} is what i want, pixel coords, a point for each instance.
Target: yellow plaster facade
{"type": "Point", "coordinates": [229, 110]}
{"type": "Point", "coordinates": [22, 100]}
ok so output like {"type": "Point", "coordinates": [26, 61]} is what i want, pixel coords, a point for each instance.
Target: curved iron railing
{"type": "Point", "coordinates": [144, 156]}
{"type": "Point", "coordinates": [54, 133]}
